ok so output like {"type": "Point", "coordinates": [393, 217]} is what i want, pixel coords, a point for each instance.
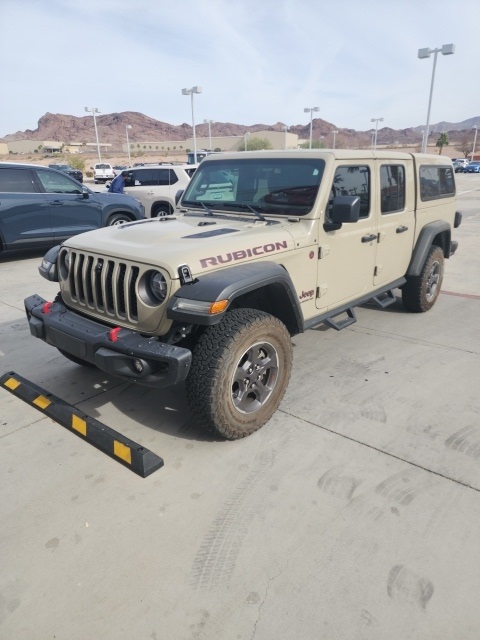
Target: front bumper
{"type": "Point", "coordinates": [122, 353]}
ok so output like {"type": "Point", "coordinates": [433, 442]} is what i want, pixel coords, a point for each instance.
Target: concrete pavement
{"type": "Point", "coordinates": [353, 514]}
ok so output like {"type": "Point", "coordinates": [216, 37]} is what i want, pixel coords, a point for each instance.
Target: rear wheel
{"type": "Point", "coordinates": [161, 209]}
{"type": "Point", "coordinates": [240, 371]}
{"type": "Point", "coordinates": [420, 292]}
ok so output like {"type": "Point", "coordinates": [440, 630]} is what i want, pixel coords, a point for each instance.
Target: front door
{"type": "Point", "coordinates": [347, 256]}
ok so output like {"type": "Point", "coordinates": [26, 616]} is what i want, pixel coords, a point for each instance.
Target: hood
{"type": "Point", "coordinates": [202, 243]}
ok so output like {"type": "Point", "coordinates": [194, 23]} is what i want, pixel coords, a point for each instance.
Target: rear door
{"type": "Point", "coordinates": [396, 221]}
{"type": "Point", "coordinates": [24, 211]}
{"type": "Point", "coordinates": [70, 211]}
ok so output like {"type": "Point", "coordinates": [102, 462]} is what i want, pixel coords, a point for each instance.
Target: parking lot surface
{"type": "Point", "coordinates": [353, 514]}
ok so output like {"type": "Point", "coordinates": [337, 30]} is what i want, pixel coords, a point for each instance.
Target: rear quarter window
{"type": "Point", "coordinates": [436, 182]}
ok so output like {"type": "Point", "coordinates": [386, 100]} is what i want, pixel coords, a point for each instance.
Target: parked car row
{"type": "Point", "coordinates": [41, 207]}
{"type": "Point", "coordinates": [462, 165]}
{"type": "Point", "coordinates": [70, 171]}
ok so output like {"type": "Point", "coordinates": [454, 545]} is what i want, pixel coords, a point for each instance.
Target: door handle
{"type": "Point", "coordinates": [57, 203]}
{"type": "Point", "coordinates": [402, 229]}
{"type": "Point", "coordinates": [369, 238]}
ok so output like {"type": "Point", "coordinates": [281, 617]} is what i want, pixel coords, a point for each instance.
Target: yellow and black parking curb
{"type": "Point", "coordinates": [127, 452]}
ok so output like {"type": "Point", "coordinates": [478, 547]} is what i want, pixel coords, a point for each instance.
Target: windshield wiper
{"type": "Point", "coordinates": [247, 206]}
{"type": "Point", "coordinates": [207, 209]}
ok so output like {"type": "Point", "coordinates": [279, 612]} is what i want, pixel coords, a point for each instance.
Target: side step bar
{"type": "Point", "coordinates": [385, 300]}
{"type": "Point", "coordinates": [383, 297]}
{"type": "Point", "coordinates": [341, 324]}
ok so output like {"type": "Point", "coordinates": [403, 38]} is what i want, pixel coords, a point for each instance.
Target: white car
{"type": "Point", "coordinates": [102, 172]}
{"type": "Point", "coordinates": [157, 185]}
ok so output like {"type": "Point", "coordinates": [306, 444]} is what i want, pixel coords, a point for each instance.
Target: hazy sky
{"type": "Point", "coordinates": [258, 61]}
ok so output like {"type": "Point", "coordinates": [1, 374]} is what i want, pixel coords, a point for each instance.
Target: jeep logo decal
{"type": "Point", "coordinates": [242, 254]}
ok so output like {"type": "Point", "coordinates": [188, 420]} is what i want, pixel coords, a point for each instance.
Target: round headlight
{"type": "Point", "coordinates": [158, 286]}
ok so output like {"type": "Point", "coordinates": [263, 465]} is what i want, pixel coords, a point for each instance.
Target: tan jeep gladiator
{"type": "Point", "coordinates": [261, 246]}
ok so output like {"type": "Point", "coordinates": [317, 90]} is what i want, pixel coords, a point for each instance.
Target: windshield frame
{"type": "Point", "coordinates": [286, 187]}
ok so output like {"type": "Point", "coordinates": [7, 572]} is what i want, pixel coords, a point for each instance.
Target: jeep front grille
{"type": "Point", "coordinates": [104, 286]}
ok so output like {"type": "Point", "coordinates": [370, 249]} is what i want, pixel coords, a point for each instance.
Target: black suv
{"type": "Point", "coordinates": [70, 171]}
{"type": "Point", "coordinates": [40, 207]}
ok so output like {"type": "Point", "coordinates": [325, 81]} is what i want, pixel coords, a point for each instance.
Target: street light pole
{"type": "Point", "coordinates": [93, 111]}
{"type": "Point", "coordinates": [285, 128]}
{"type": "Point", "coordinates": [247, 133]}
{"type": "Point", "coordinates": [334, 134]}
{"type": "Point", "coordinates": [311, 109]}
{"type": "Point", "coordinates": [209, 122]}
{"type": "Point", "coordinates": [446, 50]}
{"type": "Point", "coordinates": [127, 127]}
{"type": "Point", "coordinates": [376, 120]}
{"type": "Point", "coordinates": [190, 92]}
{"type": "Point", "coordinates": [474, 142]}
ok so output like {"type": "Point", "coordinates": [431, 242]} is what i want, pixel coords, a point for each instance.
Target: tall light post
{"type": "Point", "coordinates": [190, 92]}
{"type": "Point", "coordinates": [376, 120]}
{"type": "Point", "coordinates": [446, 50]}
{"type": "Point", "coordinates": [127, 127]}
{"type": "Point", "coordinates": [247, 133]}
{"type": "Point", "coordinates": [209, 122]}
{"type": "Point", "coordinates": [334, 135]}
{"type": "Point", "coordinates": [93, 111]}
{"type": "Point", "coordinates": [474, 142]}
{"type": "Point", "coordinates": [285, 128]}
{"type": "Point", "coordinates": [311, 109]}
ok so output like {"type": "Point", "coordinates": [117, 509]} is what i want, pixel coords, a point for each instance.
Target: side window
{"type": "Point", "coordinates": [16, 181]}
{"type": "Point", "coordinates": [353, 180]}
{"type": "Point", "coordinates": [436, 182]}
{"type": "Point", "coordinates": [172, 177]}
{"type": "Point", "coordinates": [54, 182]}
{"type": "Point", "coordinates": [164, 176]}
{"type": "Point", "coordinates": [392, 188]}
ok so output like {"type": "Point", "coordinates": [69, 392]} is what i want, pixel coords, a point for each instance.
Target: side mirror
{"type": "Point", "coordinates": [344, 209]}
{"type": "Point", "coordinates": [85, 192]}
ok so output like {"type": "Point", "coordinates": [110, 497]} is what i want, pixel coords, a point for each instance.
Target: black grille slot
{"type": "Point", "coordinates": [121, 290]}
{"type": "Point", "coordinates": [132, 296]}
{"type": "Point", "coordinates": [109, 287]}
{"type": "Point", "coordinates": [89, 281]}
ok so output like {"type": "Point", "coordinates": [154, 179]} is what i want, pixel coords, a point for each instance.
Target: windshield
{"type": "Point", "coordinates": [268, 185]}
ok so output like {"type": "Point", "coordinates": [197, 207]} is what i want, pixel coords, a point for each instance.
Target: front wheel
{"type": "Point", "coordinates": [117, 218]}
{"type": "Point", "coordinates": [240, 371]}
{"type": "Point", "coordinates": [420, 292]}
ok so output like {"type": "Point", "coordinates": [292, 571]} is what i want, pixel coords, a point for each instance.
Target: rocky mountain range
{"type": "Point", "coordinates": [111, 129]}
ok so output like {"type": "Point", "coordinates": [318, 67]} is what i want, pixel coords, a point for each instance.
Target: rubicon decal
{"type": "Point", "coordinates": [243, 253]}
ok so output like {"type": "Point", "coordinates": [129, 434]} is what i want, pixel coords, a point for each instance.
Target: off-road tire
{"type": "Point", "coordinates": [420, 292]}
{"type": "Point", "coordinates": [82, 363]}
{"type": "Point", "coordinates": [240, 371]}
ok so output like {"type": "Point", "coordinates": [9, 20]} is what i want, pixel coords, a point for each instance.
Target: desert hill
{"type": "Point", "coordinates": [111, 129]}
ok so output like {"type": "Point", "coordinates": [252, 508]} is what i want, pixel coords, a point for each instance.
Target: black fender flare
{"type": "Point", "coordinates": [229, 284]}
{"type": "Point", "coordinates": [424, 242]}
